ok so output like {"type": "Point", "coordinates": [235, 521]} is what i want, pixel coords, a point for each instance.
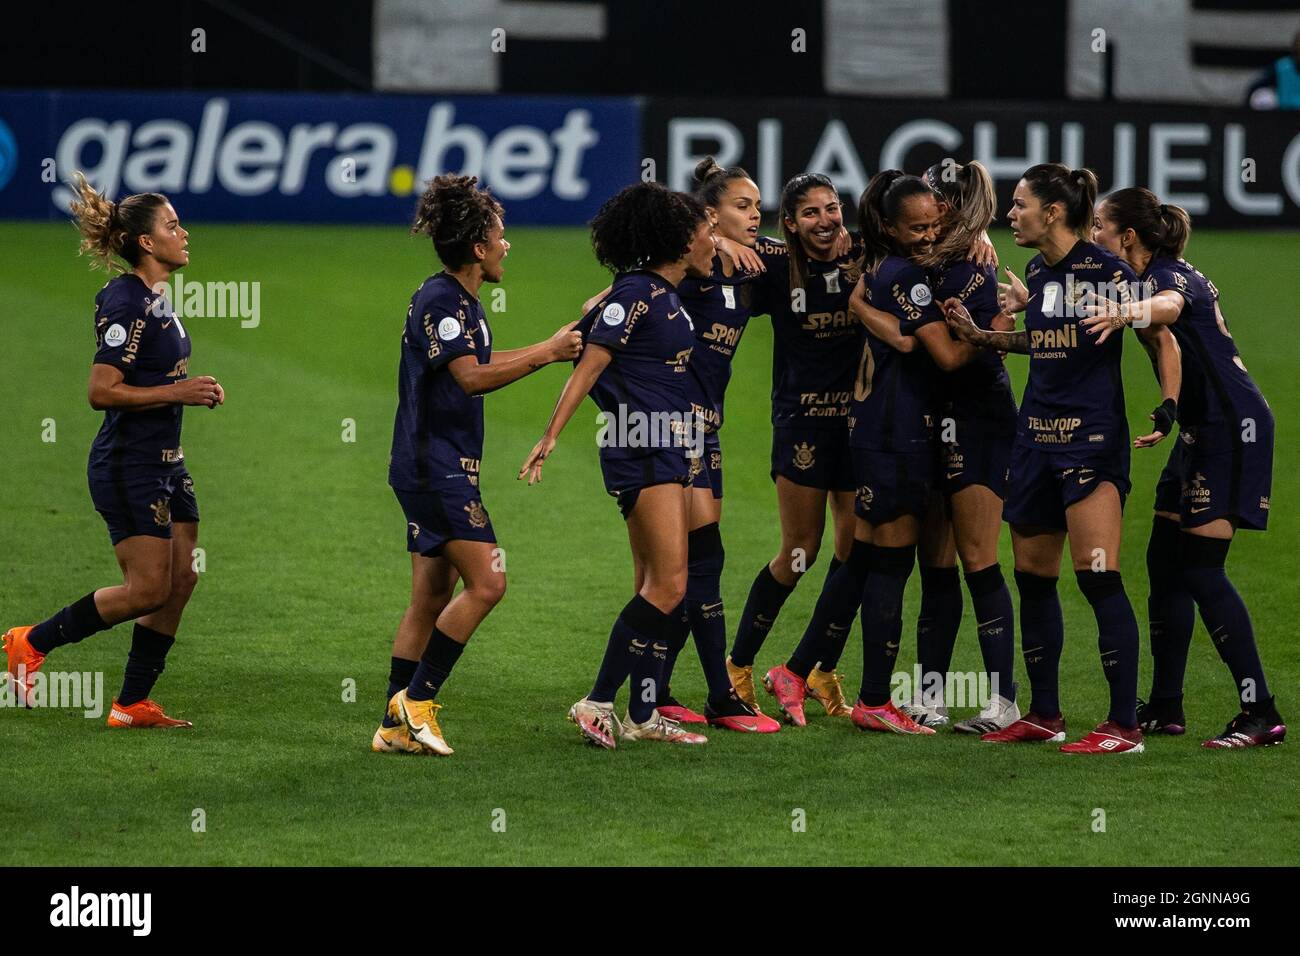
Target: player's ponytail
{"type": "Point", "coordinates": [793, 191]}
{"type": "Point", "coordinates": [972, 205]}
{"type": "Point", "coordinates": [456, 215]}
{"type": "Point", "coordinates": [712, 180]}
{"type": "Point", "coordinates": [880, 205]}
{"type": "Point", "coordinates": [1074, 189]}
{"type": "Point", "coordinates": [644, 225]}
{"type": "Point", "coordinates": [1161, 228]}
{"type": "Point", "coordinates": [111, 230]}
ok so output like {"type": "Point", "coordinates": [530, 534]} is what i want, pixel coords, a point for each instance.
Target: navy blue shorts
{"type": "Point", "coordinates": [1205, 480]}
{"type": "Point", "coordinates": [625, 477]}
{"type": "Point", "coordinates": [1042, 484]}
{"type": "Point", "coordinates": [137, 503]}
{"type": "Point", "coordinates": [706, 471]}
{"type": "Point", "coordinates": [979, 454]}
{"type": "Point", "coordinates": [814, 458]}
{"type": "Point", "coordinates": [892, 484]}
{"type": "Point", "coordinates": [454, 512]}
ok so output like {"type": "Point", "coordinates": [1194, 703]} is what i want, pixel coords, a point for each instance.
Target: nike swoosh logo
{"type": "Point", "coordinates": [1084, 481]}
{"type": "Point", "coordinates": [167, 323]}
{"type": "Point", "coordinates": [988, 622]}
{"type": "Point", "coordinates": [710, 607]}
{"type": "Point", "coordinates": [705, 288]}
{"type": "Point", "coordinates": [954, 474]}
{"type": "Point", "coordinates": [636, 643]}
{"type": "Point", "coordinates": [1197, 511]}
{"type": "Point", "coordinates": [892, 645]}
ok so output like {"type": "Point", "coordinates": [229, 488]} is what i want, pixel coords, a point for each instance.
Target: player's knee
{"type": "Point", "coordinates": [148, 594]}
{"type": "Point", "coordinates": [666, 592]}
{"type": "Point", "coordinates": [183, 584]}
{"type": "Point", "coordinates": [494, 588]}
{"type": "Point", "coordinates": [801, 554]}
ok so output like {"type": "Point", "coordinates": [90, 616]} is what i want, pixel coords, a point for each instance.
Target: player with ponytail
{"type": "Point", "coordinates": [1218, 478]}
{"type": "Point", "coordinates": [137, 475]}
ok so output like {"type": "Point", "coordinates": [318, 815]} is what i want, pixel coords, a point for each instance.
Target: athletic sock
{"type": "Point", "coordinates": [882, 618]}
{"type": "Point", "coordinates": [995, 623]}
{"type": "Point", "coordinates": [648, 659]}
{"type": "Point", "coordinates": [439, 657]}
{"type": "Point", "coordinates": [1117, 640]}
{"type": "Point", "coordinates": [1170, 609]}
{"type": "Point", "coordinates": [76, 622]}
{"type": "Point", "coordinates": [704, 607]}
{"type": "Point", "coordinates": [936, 629]}
{"type": "Point", "coordinates": [637, 623]}
{"type": "Point", "coordinates": [1224, 614]}
{"type": "Point", "coordinates": [144, 663]}
{"type": "Point", "coordinates": [1042, 634]}
{"type": "Point", "coordinates": [679, 630]}
{"type": "Point", "coordinates": [400, 672]}
{"type": "Point", "coordinates": [832, 618]}
{"type": "Point", "coordinates": [766, 597]}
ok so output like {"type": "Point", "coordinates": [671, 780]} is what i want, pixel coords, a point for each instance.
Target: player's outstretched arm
{"type": "Point", "coordinates": [513, 364]}
{"type": "Point", "coordinates": [1167, 361]}
{"type": "Point", "coordinates": [1013, 296]}
{"type": "Point", "coordinates": [107, 389]}
{"type": "Point", "coordinates": [594, 360]}
{"type": "Point", "coordinates": [882, 325]}
{"type": "Point", "coordinates": [948, 353]}
{"type": "Point", "coordinates": [963, 327]}
{"type": "Point", "coordinates": [1103, 316]}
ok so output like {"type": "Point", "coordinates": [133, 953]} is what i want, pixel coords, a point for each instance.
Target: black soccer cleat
{"type": "Point", "coordinates": [1250, 730]}
{"type": "Point", "coordinates": [1162, 716]}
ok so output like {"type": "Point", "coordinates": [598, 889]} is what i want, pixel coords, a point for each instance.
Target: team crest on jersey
{"type": "Point", "coordinates": [187, 485]}
{"type": "Point", "coordinates": [697, 466]}
{"type": "Point", "coordinates": [865, 495]}
{"type": "Point", "coordinates": [162, 512]}
{"type": "Point", "coordinates": [852, 272]}
{"type": "Point", "coordinates": [804, 456]}
{"type": "Point", "coordinates": [477, 515]}
{"type": "Point", "coordinates": [832, 280]}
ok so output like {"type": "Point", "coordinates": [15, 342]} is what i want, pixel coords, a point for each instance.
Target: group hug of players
{"type": "Point", "coordinates": [890, 405]}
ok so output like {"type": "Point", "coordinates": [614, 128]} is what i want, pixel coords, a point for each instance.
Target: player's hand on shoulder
{"type": "Point", "coordinates": [741, 256]}
{"type": "Point", "coordinates": [982, 252]}
{"type": "Point", "coordinates": [566, 343]}
{"type": "Point", "coordinates": [843, 243]}
{"type": "Point", "coordinates": [959, 321]}
{"type": "Point", "coordinates": [532, 467]}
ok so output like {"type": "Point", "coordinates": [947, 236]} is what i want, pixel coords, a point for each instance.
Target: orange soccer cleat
{"type": "Point", "coordinates": [141, 715]}
{"type": "Point", "coordinates": [24, 662]}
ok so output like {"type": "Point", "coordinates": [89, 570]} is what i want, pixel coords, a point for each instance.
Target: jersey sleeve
{"type": "Point", "coordinates": [912, 300]}
{"type": "Point", "coordinates": [440, 332]}
{"type": "Point", "coordinates": [1163, 277]}
{"type": "Point", "coordinates": [615, 322]}
{"type": "Point", "coordinates": [774, 281]}
{"type": "Point", "coordinates": [120, 335]}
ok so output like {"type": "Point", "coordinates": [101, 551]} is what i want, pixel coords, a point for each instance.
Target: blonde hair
{"type": "Point", "coordinates": [972, 204]}
{"type": "Point", "coordinates": [111, 230]}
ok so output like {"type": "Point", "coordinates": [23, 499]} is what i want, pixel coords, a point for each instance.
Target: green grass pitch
{"type": "Point", "coordinates": [307, 576]}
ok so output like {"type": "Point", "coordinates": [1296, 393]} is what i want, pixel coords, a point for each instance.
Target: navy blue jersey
{"type": "Point", "coordinates": [138, 333]}
{"type": "Point", "coordinates": [438, 431]}
{"type": "Point", "coordinates": [644, 390]}
{"type": "Point", "coordinates": [816, 339]}
{"type": "Point", "coordinates": [896, 393]}
{"type": "Point", "coordinates": [981, 388]}
{"type": "Point", "coordinates": [719, 308]}
{"type": "Point", "coordinates": [1074, 399]}
{"type": "Point", "coordinates": [1217, 390]}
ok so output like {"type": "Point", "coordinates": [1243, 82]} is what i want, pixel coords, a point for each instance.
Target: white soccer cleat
{"type": "Point", "coordinates": [924, 715]}
{"type": "Point", "coordinates": [659, 727]}
{"type": "Point", "coordinates": [998, 715]}
{"type": "Point", "coordinates": [596, 722]}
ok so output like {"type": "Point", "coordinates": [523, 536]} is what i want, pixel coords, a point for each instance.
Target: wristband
{"type": "Point", "coordinates": [1165, 416]}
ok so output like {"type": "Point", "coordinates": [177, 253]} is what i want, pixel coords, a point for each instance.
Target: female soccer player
{"type": "Point", "coordinates": [137, 475]}
{"type": "Point", "coordinates": [635, 366]}
{"type": "Point", "coordinates": [1219, 472]}
{"type": "Point", "coordinates": [719, 307]}
{"type": "Point", "coordinates": [1069, 466]}
{"type": "Point", "coordinates": [817, 343]}
{"type": "Point", "coordinates": [447, 366]}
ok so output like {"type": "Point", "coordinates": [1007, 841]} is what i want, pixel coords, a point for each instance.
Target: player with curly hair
{"type": "Point", "coordinates": [137, 475]}
{"type": "Point", "coordinates": [635, 367]}
{"type": "Point", "coordinates": [446, 368]}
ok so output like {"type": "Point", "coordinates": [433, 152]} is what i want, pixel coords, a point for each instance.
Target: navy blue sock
{"type": "Point", "coordinates": [679, 630]}
{"type": "Point", "coordinates": [704, 608]}
{"type": "Point", "coordinates": [832, 618]}
{"type": "Point", "coordinates": [1170, 609]}
{"type": "Point", "coordinates": [439, 657]}
{"type": "Point", "coordinates": [400, 672]}
{"type": "Point", "coordinates": [937, 625]}
{"type": "Point", "coordinates": [648, 660]}
{"type": "Point", "coordinates": [1042, 634]}
{"type": "Point", "coordinates": [1224, 614]}
{"type": "Point", "coordinates": [995, 622]}
{"type": "Point", "coordinates": [1117, 639]}
{"type": "Point", "coordinates": [76, 622]}
{"type": "Point", "coordinates": [144, 663]}
{"type": "Point", "coordinates": [882, 618]}
{"type": "Point", "coordinates": [634, 628]}
{"type": "Point", "coordinates": [767, 595]}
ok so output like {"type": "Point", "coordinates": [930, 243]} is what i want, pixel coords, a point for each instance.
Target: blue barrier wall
{"type": "Point", "coordinates": [291, 157]}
